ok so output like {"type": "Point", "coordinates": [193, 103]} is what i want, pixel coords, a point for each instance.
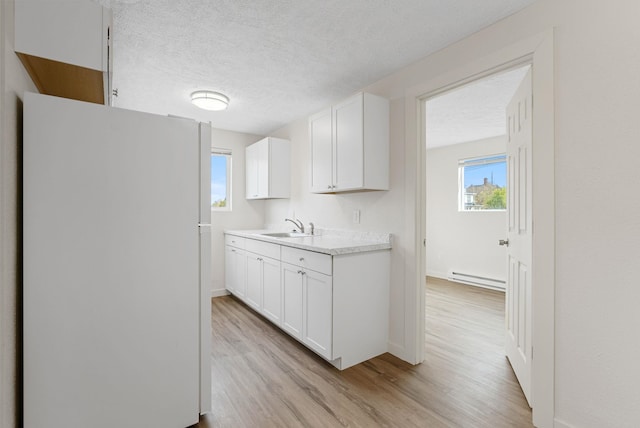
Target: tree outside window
{"type": "Point", "coordinates": [221, 181]}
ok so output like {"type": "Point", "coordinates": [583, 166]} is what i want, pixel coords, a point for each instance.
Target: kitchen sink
{"type": "Point", "coordinates": [286, 234]}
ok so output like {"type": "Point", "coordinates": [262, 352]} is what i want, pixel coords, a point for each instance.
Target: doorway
{"type": "Point", "coordinates": [467, 139]}
{"type": "Point", "coordinates": [537, 50]}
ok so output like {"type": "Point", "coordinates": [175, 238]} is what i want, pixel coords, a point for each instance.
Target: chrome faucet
{"type": "Point", "coordinates": [298, 224]}
{"type": "Point", "coordinates": [313, 227]}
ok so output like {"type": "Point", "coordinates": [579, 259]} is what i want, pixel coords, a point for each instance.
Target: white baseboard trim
{"type": "Point", "coordinates": [557, 423]}
{"type": "Point", "coordinates": [397, 351]}
{"type": "Point", "coordinates": [219, 292]}
{"type": "Point", "coordinates": [438, 275]}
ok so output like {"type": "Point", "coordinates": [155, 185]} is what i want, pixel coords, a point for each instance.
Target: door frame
{"type": "Point", "coordinates": [538, 51]}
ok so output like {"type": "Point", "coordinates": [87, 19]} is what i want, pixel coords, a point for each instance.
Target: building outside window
{"type": "Point", "coordinates": [483, 183]}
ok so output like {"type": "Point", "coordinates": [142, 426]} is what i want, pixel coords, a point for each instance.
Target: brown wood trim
{"type": "Point", "coordinates": [64, 80]}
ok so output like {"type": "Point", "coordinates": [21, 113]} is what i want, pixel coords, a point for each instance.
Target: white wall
{"type": "Point", "coordinates": [461, 241]}
{"type": "Point", "coordinates": [244, 215]}
{"type": "Point", "coordinates": [13, 82]}
{"type": "Point", "coordinates": [596, 93]}
{"type": "Point", "coordinates": [597, 223]}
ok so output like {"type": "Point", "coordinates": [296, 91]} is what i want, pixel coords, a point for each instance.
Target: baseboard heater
{"type": "Point", "coordinates": [478, 281]}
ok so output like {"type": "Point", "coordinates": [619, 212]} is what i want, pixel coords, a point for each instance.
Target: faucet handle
{"type": "Point", "coordinates": [312, 226]}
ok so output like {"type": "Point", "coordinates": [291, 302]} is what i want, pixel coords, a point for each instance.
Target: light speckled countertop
{"type": "Point", "coordinates": [333, 242]}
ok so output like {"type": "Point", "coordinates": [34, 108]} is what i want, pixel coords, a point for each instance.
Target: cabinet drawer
{"type": "Point", "coordinates": [307, 259]}
{"type": "Point", "coordinates": [234, 241]}
{"type": "Point", "coordinates": [263, 248]}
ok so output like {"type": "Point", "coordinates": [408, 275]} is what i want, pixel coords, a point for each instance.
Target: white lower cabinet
{"type": "Point", "coordinates": [271, 290]}
{"type": "Point", "coordinates": [263, 286]}
{"type": "Point", "coordinates": [254, 280]}
{"type": "Point", "coordinates": [308, 307]}
{"type": "Point", "coordinates": [292, 300]}
{"type": "Point", "coordinates": [337, 306]}
{"type": "Point", "coordinates": [317, 311]}
{"type": "Point", "coordinates": [235, 270]}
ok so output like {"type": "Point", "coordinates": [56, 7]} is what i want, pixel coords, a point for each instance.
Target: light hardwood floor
{"type": "Point", "coordinates": [263, 378]}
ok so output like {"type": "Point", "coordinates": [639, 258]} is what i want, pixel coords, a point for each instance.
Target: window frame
{"type": "Point", "coordinates": [476, 161]}
{"type": "Point", "coordinates": [228, 156]}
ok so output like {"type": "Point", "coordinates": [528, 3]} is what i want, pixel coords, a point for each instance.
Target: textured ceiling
{"type": "Point", "coordinates": [472, 112]}
{"type": "Point", "coordinates": [278, 60]}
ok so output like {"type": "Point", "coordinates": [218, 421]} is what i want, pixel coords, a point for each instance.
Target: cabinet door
{"type": "Point", "coordinates": [253, 296]}
{"type": "Point", "coordinates": [348, 144]}
{"type": "Point", "coordinates": [251, 171]}
{"type": "Point", "coordinates": [321, 152]}
{"type": "Point", "coordinates": [229, 269]}
{"type": "Point", "coordinates": [318, 312]}
{"type": "Point", "coordinates": [263, 177]}
{"type": "Point", "coordinates": [292, 300]}
{"type": "Point", "coordinates": [239, 272]}
{"type": "Point", "coordinates": [271, 290]}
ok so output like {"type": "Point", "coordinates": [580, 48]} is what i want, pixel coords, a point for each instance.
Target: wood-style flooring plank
{"type": "Point", "coordinates": [261, 377]}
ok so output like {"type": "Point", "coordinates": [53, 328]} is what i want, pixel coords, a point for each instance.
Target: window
{"type": "Point", "coordinates": [483, 183]}
{"type": "Point", "coordinates": [221, 180]}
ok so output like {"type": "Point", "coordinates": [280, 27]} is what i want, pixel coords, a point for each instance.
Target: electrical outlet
{"type": "Point", "coordinates": [356, 216]}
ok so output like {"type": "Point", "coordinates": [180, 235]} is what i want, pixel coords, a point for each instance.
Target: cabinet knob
{"type": "Point", "coordinates": [301, 259]}
{"type": "Point", "coordinates": [329, 186]}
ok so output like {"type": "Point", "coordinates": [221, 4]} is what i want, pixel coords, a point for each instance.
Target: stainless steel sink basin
{"type": "Point", "coordinates": [286, 234]}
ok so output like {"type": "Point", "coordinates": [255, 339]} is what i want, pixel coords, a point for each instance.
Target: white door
{"type": "Point", "coordinates": [263, 168]}
{"type": "Point", "coordinates": [230, 269]}
{"type": "Point", "coordinates": [518, 345]}
{"type": "Point", "coordinates": [239, 275]}
{"type": "Point", "coordinates": [292, 300]}
{"type": "Point", "coordinates": [318, 312]}
{"type": "Point", "coordinates": [253, 296]}
{"type": "Point", "coordinates": [111, 267]}
{"type": "Point", "coordinates": [348, 144]}
{"type": "Point", "coordinates": [205, 268]}
{"type": "Point", "coordinates": [271, 290]}
{"type": "Point", "coordinates": [251, 165]}
{"type": "Point", "coordinates": [321, 152]}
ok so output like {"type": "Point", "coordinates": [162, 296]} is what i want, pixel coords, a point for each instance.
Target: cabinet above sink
{"type": "Point", "coordinates": [350, 145]}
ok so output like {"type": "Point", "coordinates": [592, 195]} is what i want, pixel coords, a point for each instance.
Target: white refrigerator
{"type": "Point", "coordinates": [116, 267]}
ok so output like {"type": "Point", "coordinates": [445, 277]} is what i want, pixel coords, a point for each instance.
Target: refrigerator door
{"type": "Point", "coordinates": [111, 267]}
{"type": "Point", "coordinates": [205, 268]}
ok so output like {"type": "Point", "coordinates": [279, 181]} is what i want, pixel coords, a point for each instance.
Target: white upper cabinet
{"type": "Point", "coordinates": [65, 47]}
{"type": "Point", "coordinates": [350, 146]}
{"type": "Point", "coordinates": [321, 152]}
{"type": "Point", "coordinates": [268, 169]}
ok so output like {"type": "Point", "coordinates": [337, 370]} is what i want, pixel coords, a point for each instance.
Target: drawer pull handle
{"type": "Point", "coordinates": [301, 259]}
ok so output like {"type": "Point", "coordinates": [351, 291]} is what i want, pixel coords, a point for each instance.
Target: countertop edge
{"type": "Point", "coordinates": [358, 247]}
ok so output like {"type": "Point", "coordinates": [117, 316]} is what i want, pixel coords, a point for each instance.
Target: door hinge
{"type": "Point", "coordinates": [424, 242]}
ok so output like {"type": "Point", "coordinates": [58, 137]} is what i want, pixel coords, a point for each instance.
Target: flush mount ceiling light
{"type": "Point", "coordinates": [209, 100]}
